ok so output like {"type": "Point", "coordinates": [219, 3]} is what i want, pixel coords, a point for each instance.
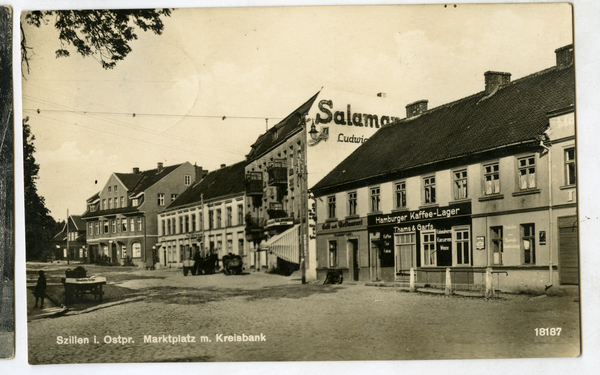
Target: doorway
{"type": "Point", "coordinates": [353, 246]}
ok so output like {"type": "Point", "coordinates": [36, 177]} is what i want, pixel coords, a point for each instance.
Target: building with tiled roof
{"type": "Point", "coordinates": [70, 243]}
{"type": "Point", "coordinates": [121, 219]}
{"type": "Point", "coordinates": [208, 218]}
{"type": "Point", "coordinates": [487, 181]}
{"type": "Point", "coordinates": [291, 156]}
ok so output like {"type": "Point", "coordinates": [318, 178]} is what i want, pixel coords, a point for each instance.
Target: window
{"type": "Point", "coordinates": [352, 203]}
{"type": "Point", "coordinates": [135, 202]}
{"type": "Point", "coordinates": [240, 214]}
{"type": "Point", "coordinates": [187, 180]}
{"type": "Point", "coordinates": [460, 184]}
{"type": "Point", "coordinates": [331, 206]}
{"type": "Point", "coordinates": [116, 202]}
{"type": "Point", "coordinates": [527, 173]}
{"type": "Point", "coordinates": [124, 225]}
{"type": "Point", "coordinates": [429, 189]}
{"type": "Point", "coordinates": [180, 224]}
{"type": "Point", "coordinates": [492, 179]}
{"type": "Point", "coordinates": [570, 170]}
{"type": "Point", "coordinates": [90, 229]}
{"type": "Point", "coordinates": [375, 200]}
{"type": "Point", "coordinates": [218, 223]}
{"type": "Point", "coordinates": [173, 197]}
{"type": "Point", "coordinates": [161, 199]}
{"type": "Point", "coordinates": [428, 248]}
{"type": "Point", "coordinates": [194, 222]}
{"type": "Point", "coordinates": [104, 204]}
{"type": "Point", "coordinates": [163, 227]}
{"type": "Point", "coordinates": [109, 189]}
{"type": "Point", "coordinates": [405, 248]}
{"type": "Point", "coordinates": [139, 224]}
{"type": "Point", "coordinates": [109, 203]}
{"type": "Point", "coordinates": [131, 225]}
{"type": "Point", "coordinates": [528, 243]}
{"type": "Point", "coordinates": [400, 194]}
{"type": "Point", "coordinates": [115, 189]}
{"type": "Point", "coordinates": [97, 228]}
{"type": "Point", "coordinates": [229, 216]}
{"type": "Point", "coordinates": [137, 250]}
{"type": "Point", "coordinates": [240, 246]}
{"type": "Point", "coordinates": [462, 247]}
{"type": "Point", "coordinates": [211, 218]}
{"type": "Point", "coordinates": [332, 254]}
{"type": "Point", "coordinates": [122, 202]}
{"type": "Point", "coordinates": [123, 252]}
{"type": "Point", "coordinates": [113, 223]}
{"type": "Point", "coordinates": [187, 224]}
{"type": "Point", "coordinates": [496, 244]}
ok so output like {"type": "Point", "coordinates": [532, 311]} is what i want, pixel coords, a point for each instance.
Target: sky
{"type": "Point", "coordinates": [201, 91]}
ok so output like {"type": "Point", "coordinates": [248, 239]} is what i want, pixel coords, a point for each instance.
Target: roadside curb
{"type": "Point", "coordinates": [102, 306]}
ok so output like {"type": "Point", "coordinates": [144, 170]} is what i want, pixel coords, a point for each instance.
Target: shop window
{"type": "Point", "coordinates": [462, 246]}
{"type": "Point", "coordinates": [405, 252]}
{"type": "Point", "coordinates": [331, 207]}
{"type": "Point", "coordinates": [136, 248]}
{"type": "Point", "coordinates": [429, 189]}
{"type": "Point", "coordinates": [527, 173]}
{"type": "Point", "coordinates": [123, 252]}
{"type": "Point", "coordinates": [161, 199]}
{"type": "Point", "coordinates": [332, 254]}
{"type": "Point", "coordinates": [496, 244]}
{"type": "Point", "coordinates": [428, 249]}
{"type": "Point", "coordinates": [570, 167]}
{"type": "Point", "coordinates": [460, 184]}
{"type": "Point", "coordinates": [352, 203]}
{"type": "Point", "coordinates": [492, 179]}
{"type": "Point", "coordinates": [375, 200]}
{"type": "Point", "coordinates": [528, 243]}
{"type": "Point", "coordinates": [400, 194]}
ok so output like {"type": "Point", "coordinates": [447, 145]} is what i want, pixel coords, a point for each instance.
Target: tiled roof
{"type": "Point", "coordinates": [278, 133]}
{"type": "Point", "coordinates": [516, 112]}
{"type": "Point", "coordinates": [139, 182]}
{"type": "Point", "coordinates": [219, 183]}
{"type": "Point", "coordinates": [77, 222]}
{"type": "Point", "coordinates": [114, 211]}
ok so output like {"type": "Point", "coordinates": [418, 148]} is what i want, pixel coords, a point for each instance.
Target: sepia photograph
{"type": "Point", "coordinates": [272, 184]}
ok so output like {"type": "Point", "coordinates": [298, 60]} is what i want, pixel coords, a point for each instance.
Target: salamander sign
{"type": "Point", "coordinates": [347, 117]}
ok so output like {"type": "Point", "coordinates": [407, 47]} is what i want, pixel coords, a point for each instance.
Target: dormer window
{"type": "Point", "coordinates": [135, 202]}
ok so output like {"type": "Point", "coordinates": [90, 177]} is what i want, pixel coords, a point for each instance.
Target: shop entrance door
{"type": "Point", "coordinates": [374, 257]}
{"type": "Point", "coordinates": [405, 254]}
{"type": "Point", "coordinates": [355, 265]}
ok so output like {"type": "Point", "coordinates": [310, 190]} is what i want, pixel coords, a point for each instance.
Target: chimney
{"type": "Point", "coordinates": [223, 165]}
{"type": "Point", "coordinates": [159, 167]}
{"type": "Point", "coordinates": [564, 55]}
{"type": "Point", "coordinates": [136, 170]}
{"type": "Point", "coordinates": [416, 108]}
{"type": "Point", "coordinates": [493, 80]}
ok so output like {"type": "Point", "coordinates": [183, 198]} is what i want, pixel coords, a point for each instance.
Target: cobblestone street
{"type": "Point", "coordinates": [294, 322]}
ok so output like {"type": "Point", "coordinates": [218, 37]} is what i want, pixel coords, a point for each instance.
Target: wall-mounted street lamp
{"type": "Point", "coordinates": [317, 136]}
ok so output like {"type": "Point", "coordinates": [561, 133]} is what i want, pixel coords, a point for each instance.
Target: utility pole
{"type": "Point", "coordinates": [302, 179]}
{"type": "Point", "coordinates": [68, 249]}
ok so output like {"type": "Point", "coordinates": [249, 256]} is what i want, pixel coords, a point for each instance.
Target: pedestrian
{"type": "Point", "coordinates": [40, 290]}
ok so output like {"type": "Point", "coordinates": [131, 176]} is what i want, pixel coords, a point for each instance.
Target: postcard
{"type": "Point", "coordinates": [267, 184]}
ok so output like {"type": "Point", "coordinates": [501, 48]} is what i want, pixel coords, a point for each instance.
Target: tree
{"type": "Point", "coordinates": [40, 227]}
{"type": "Point", "coordinates": [103, 34]}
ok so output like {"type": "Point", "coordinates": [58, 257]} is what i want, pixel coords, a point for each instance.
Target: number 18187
{"type": "Point", "coordinates": [548, 331]}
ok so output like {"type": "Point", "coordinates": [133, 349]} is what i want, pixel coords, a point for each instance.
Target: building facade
{"type": "Point", "coordinates": [121, 219]}
{"type": "Point", "coordinates": [486, 181]}
{"type": "Point", "coordinates": [70, 242]}
{"type": "Point", "coordinates": [292, 155]}
{"type": "Point", "coordinates": [208, 218]}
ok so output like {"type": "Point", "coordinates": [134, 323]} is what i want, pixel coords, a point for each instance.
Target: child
{"type": "Point", "coordinates": [40, 290]}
